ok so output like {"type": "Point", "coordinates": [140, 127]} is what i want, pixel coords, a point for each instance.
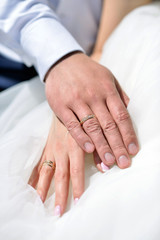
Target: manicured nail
{"type": "Point", "coordinates": [109, 158]}
{"type": "Point", "coordinates": [76, 200]}
{"type": "Point", "coordinates": [124, 161]}
{"type": "Point", "coordinates": [132, 148]}
{"type": "Point", "coordinates": [57, 211]}
{"type": "Point", "coordinates": [89, 147]}
{"type": "Point", "coordinates": [104, 167]}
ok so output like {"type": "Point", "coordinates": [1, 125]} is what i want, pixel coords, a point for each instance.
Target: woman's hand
{"type": "Point", "coordinates": [68, 158]}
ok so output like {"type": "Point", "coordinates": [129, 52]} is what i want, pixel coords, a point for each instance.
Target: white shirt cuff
{"type": "Point", "coordinates": [46, 41]}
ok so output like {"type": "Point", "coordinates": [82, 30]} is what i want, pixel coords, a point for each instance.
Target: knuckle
{"type": "Point", "coordinates": [61, 175]}
{"type": "Point", "coordinates": [129, 138]}
{"type": "Point", "coordinates": [122, 116]}
{"type": "Point", "coordinates": [75, 171]}
{"type": "Point", "coordinates": [91, 94]}
{"type": "Point", "coordinates": [104, 148]}
{"type": "Point", "coordinates": [130, 135]}
{"type": "Point", "coordinates": [71, 125]}
{"type": "Point", "coordinates": [92, 126]}
{"type": "Point", "coordinates": [109, 85]}
{"type": "Point", "coordinates": [119, 148]}
{"type": "Point", "coordinates": [109, 127]}
{"type": "Point", "coordinates": [111, 90]}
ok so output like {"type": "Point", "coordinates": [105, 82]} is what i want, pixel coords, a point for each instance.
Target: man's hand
{"type": "Point", "coordinates": [77, 87]}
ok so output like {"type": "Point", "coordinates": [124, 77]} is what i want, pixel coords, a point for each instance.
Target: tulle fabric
{"type": "Point", "coordinates": [116, 205]}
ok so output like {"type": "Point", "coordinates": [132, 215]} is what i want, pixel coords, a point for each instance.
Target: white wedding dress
{"type": "Point", "coordinates": [116, 205]}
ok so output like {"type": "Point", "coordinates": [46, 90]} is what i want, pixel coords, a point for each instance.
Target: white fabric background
{"type": "Point", "coordinates": [117, 205]}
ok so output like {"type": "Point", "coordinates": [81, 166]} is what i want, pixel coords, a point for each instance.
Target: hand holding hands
{"type": "Point", "coordinates": [67, 158]}
{"type": "Point", "coordinates": [77, 87]}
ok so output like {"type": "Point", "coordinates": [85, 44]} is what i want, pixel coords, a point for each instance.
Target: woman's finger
{"type": "Point", "coordinates": [61, 183]}
{"type": "Point", "coordinates": [76, 157]}
{"type": "Point", "coordinates": [34, 176]}
{"type": "Point", "coordinates": [99, 164]}
{"type": "Point", "coordinates": [33, 180]}
{"type": "Point", "coordinates": [45, 178]}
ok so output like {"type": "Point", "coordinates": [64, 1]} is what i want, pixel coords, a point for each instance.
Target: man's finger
{"type": "Point", "coordinates": [123, 121]}
{"type": "Point", "coordinates": [113, 136]}
{"type": "Point", "coordinates": [93, 129]}
{"type": "Point", "coordinates": [73, 126]}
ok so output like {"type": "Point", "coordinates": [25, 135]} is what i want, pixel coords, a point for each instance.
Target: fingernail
{"type": "Point", "coordinates": [124, 161]}
{"type": "Point", "coordinates": [57, 211]}
{"type": "Point", "coordinates": [76, 200]}
{"type": "Point", "coordinates": [104, 167]}
{"type": "Point", "coordinates": [132, 148]}
{"type": "Point", "coordinates": [89, 147]}
{"type": "Point", "coordinates": [109, 158]}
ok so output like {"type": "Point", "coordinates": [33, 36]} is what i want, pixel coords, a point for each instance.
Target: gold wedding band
{"type": "Point", "coordinates": [50, 164]}
{"type": "Point", "coordinates": [87, 118]}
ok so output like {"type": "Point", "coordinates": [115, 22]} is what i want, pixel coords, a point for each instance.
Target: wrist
{"type": "Point", "coordinates": [59, 61]}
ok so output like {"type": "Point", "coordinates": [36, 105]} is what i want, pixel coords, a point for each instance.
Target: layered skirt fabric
{"type": "Point", "coordinates": [117, 205]}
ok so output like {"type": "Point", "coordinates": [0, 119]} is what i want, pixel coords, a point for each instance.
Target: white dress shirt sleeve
{"type": "Point", "coordinates": [32, 29]}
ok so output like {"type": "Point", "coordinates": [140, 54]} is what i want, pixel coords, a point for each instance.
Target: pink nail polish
{"type": "Point", "coordinates": [104, 167]}
{"type": "Point", "coordinates": [57, 211]}
{"type": "Point", "coordinates": [76, 200]}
